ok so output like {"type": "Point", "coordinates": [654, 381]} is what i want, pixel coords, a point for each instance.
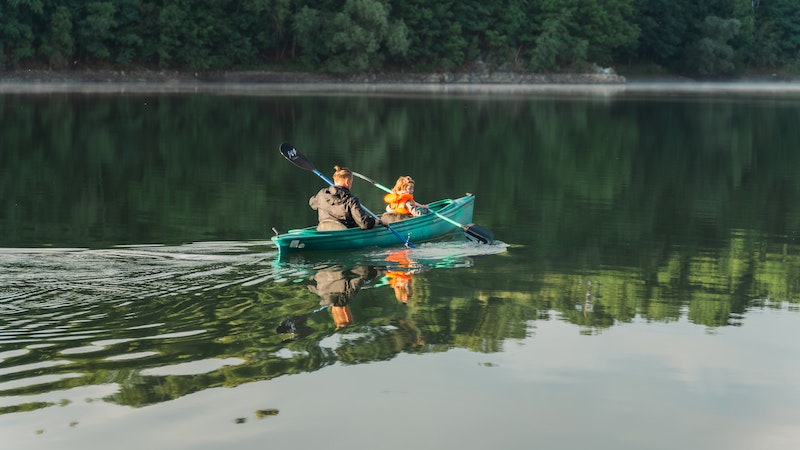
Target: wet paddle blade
{"type": "Point", "coordinates": [295, 157]}
{"type": "Point", "coordinates": [477, 233]}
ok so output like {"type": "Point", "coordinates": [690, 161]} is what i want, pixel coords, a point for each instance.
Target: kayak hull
{"type": "Point", "coordinates": [417, 229]}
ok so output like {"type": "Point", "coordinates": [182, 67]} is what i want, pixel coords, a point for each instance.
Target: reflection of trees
{"type": "Point", "coordinates": [477, 308]}
{"type": "Point", "coordinates": [712, 290]}
{"type": "Point", "coordinates": [712, 287]}
{"type": "Point", "coordinates": [136, 168]}
{"type": "Point", "coordinates": [654, 210]}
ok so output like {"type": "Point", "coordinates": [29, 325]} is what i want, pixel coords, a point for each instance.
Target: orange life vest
{"type": "Point", "coordinates": [397, 202]}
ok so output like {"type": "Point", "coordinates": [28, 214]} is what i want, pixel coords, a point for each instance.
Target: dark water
{"type": "Point", "coordinates": [643, 291]}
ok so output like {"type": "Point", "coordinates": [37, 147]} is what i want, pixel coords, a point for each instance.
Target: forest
{"type": "Point", "coordinates": [709, 39]}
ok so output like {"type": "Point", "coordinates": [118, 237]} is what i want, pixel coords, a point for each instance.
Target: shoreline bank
{"type": "Point", "coordinates": [271, 77]}
{"type": "Point", "coordinates": [39, 81]}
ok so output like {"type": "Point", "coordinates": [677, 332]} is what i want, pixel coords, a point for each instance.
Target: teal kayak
{"type": "Point", "coordinates": [417, 229]}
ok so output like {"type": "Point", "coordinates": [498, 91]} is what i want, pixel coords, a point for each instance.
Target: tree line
{"type": "Point", "coordinates": [704, 38]}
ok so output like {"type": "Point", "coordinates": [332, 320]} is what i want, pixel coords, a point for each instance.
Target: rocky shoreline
{"type": "Point", "coordinates": [270, 77]}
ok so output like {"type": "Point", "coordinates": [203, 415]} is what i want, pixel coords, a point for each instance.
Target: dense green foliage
{"type": "Point", "coordinates": [706, 38]}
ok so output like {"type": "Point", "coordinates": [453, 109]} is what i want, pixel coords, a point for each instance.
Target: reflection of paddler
{"type": "Point", "coordinates": [400, 277]}
{"type": "Point", "coordinates": [342, 316]}
{"type": "Point", "coordinates": [337, 286]}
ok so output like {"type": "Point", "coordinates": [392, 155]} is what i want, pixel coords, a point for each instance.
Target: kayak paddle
{"type": "Point", "coordinates": [298, 159]}
{"type": "Point", "coordinates": [474, 232]}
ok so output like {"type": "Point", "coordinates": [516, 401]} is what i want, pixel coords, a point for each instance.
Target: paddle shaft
{"type": "Point", "coordinates": [298, 159]}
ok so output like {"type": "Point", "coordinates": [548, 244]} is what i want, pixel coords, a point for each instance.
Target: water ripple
{"type": "Point", "coordinates": [149, 323]}
{"type": "Point", "coordinates": [65, 313]}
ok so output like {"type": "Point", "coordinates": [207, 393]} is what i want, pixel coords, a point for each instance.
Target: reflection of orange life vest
{"type": "Point", "coordinates": [397, 202]}
{"type": "Point", "coordinates": [399, 278]}
{"type": "Point", "coordinates": [400, 257]}
{"type": "Point", "coordinates": [401, 283]}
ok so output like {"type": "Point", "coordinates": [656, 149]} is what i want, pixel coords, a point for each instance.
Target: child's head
{"type": "Point", "coordinates": [404, 184]}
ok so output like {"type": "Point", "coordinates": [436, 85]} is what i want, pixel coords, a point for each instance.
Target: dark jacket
{"type": "Point", "coordinates": [338, 209]}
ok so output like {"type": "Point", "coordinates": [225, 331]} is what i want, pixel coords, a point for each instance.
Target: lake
{"type": "Point", "coordinates": [643, 290]}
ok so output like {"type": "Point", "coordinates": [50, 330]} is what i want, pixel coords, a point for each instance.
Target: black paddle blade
{"type": "Point", "coordinates": [295, 157]}
{"type": "Point", "coordinates": [477, 233]}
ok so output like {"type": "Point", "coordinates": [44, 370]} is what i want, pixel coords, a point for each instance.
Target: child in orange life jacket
{"type": "Point", "coordinates": [400, 202]}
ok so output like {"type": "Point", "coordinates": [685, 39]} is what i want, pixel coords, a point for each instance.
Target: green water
{"type": "Point", "coordinates": [642, 293]}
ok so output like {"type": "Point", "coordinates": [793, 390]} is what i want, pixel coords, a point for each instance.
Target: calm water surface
{"type": "Point", "coordinates": [643, 291]}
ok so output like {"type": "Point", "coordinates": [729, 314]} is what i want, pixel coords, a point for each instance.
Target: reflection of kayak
{"type": "Point", "coordinates": [418, 229]}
